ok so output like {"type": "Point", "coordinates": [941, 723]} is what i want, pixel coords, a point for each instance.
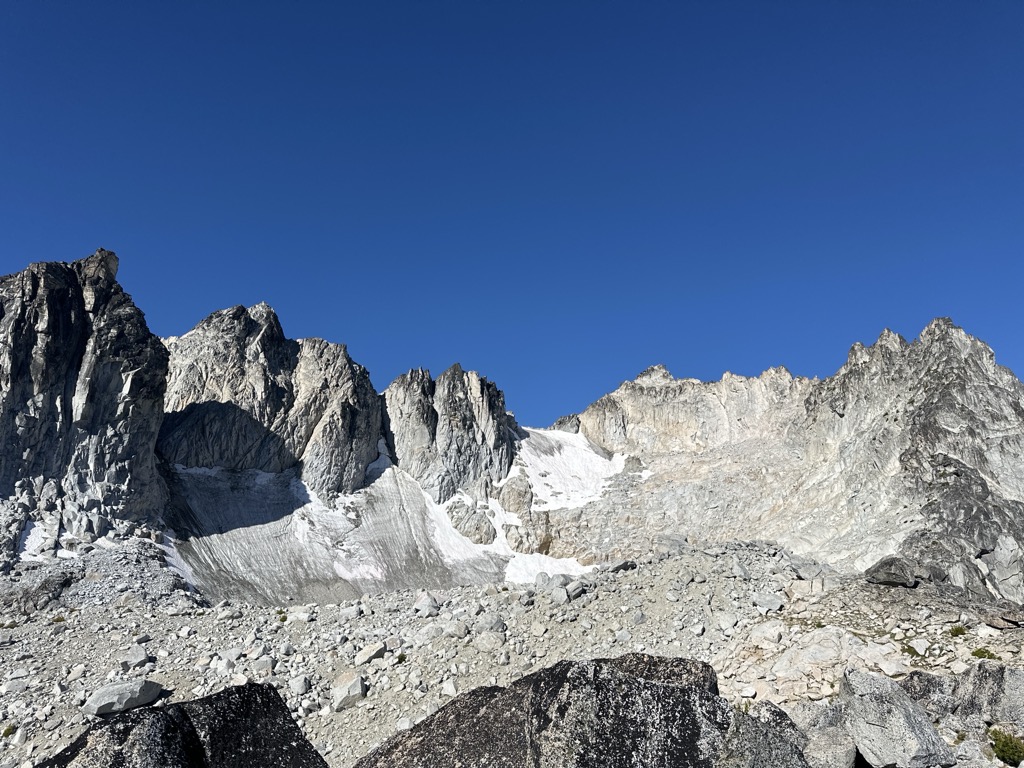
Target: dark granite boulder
{"type": "Point", "coordinates": [892, 571]}
{"type": "Point", "coordinates": [241, 727]}
{"type": "Point", "coordinates": [636, 710]}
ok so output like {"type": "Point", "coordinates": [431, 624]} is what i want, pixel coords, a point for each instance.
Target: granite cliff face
{"type": "Point", "coordinates": [450, 433]}
{"type": "Point", "coordinates": [81, 400]}
{"type": "Point", "coordinates": [241, 396]}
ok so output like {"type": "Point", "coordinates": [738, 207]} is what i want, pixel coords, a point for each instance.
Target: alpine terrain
{"type": "Point", "coordinates": [753, 571]}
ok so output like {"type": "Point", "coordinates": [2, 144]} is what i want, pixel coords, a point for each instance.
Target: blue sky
{"type": "Point", "coordinates": [556, 194]}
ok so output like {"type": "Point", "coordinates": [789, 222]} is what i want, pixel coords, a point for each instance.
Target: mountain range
{"type": "Point", "coordinates": [270, 469]}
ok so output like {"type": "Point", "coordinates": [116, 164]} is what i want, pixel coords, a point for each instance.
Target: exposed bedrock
{"type": "Point", "coordinates": [81, 401]}
{"type": "Point", "coordinates": [910, 448]}
{"type": "Point", "coordinates": [241, 396]}
{"type": "Point", "coordinates": [450, 433]}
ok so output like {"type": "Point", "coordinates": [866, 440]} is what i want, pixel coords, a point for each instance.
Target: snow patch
{"type": "Point", "coordinates": [32, 538]}
{"type": "Point", "coordinates": [174, 560]}
{"type": "Point", "coordinates": [523, 568]}
{"type": "Point", "coordinates": [566, 471]}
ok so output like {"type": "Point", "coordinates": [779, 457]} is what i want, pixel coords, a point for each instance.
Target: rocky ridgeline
{"type": "Point", "coordinates": [280, 471]}
{"type": "Point", "coordinates": [775, 627]}
{"type": "Point", "coordinates": [910, 448]}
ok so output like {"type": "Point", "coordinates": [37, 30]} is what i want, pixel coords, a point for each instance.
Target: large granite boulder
{"type": "Point", "coordinates": [239, 727]}
{"type": "Point", "coordinates": [635, 710]}
{"type": "Point", "coordinates": [888, 728]}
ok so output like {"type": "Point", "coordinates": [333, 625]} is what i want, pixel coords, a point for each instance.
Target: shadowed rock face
{"type": "Point", "coordinates": [81, 401]}
{"type": "Point", "coordinates": [607, 713]}
{"type": "Point", "coordinates": [240, 727]}
{"type": "Point", "coordinates": [450, 433]}
{"type": "Point", "coordinates": [241, 396]}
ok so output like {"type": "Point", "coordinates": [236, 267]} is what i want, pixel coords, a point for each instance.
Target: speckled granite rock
{"type": "Point", "coordinates": [607, 713]}
{"type": "Point", "coordinates": [239, 727]}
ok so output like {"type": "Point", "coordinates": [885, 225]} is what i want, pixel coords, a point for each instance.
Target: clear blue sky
{"type": "Point", "coordinates": [556, 194]}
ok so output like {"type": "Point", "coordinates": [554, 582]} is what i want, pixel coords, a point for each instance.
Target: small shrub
{"type": "Point", "coordinates": [983, 653]}
{"type": "Point", "coordinates": [957, 630]}
{"type": "Point", "coordinates": [401, 658]}
{"type": "Point", "coordinates": [282, 618]}
{"type": "Point", "coordinates": [1008, 747]}
{"type": "Point", "coordinates": [8, 731]}
{"type": "Point", "coordinates": [58, 619]}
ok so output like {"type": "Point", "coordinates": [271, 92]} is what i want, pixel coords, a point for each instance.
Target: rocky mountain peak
{"type": "Point", "coordinates": [81, 391]}
{"type": "Point", "coordinates": [449, 433]}
{"type": "Point", "coordinates": [655, 374]}
{"type": "Point", "coordinates": [242, 396]}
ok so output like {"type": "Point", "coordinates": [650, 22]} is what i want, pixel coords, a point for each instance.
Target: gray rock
{"type": "Point", "coordinates": [991, 691]}
{"type": "Point", "coordinates": [134, 657]}
{"type": "Point", "coordinates": [767, 603]}
{"type": "Point", "coordinates": [369, 653]}
{"type": "Point", "coordinates": [887, 726]}
{"type": "Point", "coordinates": [242, 396]}
{"type": "Point", "coordinates": [892, 571]}
{"type": "Point", "coordinates": [471, 521]}
{"type": "Point", "coordinates": [489, 641]}
{"type": "Point", "coordinates": [119, 697]}
{"type": "Point", "coordinates": [81, 402]}
{"type": "Point", "coordinates": [449, 433]}
{"type": "Point", "coordinates": [348, 689]}
{"type": "Point", "coordinates": [489, 622]}
{"type": "Point", "coordinates": [241, 726]}
{"type": "Point", "coordinates": [615, 713]}
{"type": "Point", "coordinates": [830, 747]}
{"type": "Point", "coordinates": [426, 605]}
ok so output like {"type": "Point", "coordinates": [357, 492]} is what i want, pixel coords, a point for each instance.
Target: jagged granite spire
{"type": "Point", "coordinates": [450, 433]}
{"type": "Point", "coordinates": [81, 401]}
{"type": "Point", "coordinates": [242, 396]}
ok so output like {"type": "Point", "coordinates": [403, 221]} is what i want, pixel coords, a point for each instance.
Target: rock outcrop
{"type": "Point", "coordinates": [241, 396]}
{"type": "Point", "coordinates": [237, 728]}
{"type": "Point", "coordinates": [614, 713]}
{"type": "Point", "coordinates": [450, 433]}
{"type": "Point", "coordinates": [81, 401]}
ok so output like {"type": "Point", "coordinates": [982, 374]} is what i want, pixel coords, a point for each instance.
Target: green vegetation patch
{"type": "Point", "coordinates": [1008, 747]}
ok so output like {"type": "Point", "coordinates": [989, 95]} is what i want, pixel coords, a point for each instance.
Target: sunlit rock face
{"type": "Point", "coordinates": [452, 432]}
{"type": "Point", "coordinates": [909, 447]}
{"type": "Point", "coordinates": [81, 401]}
{"type": "Point", "coordinates": [279, 471]}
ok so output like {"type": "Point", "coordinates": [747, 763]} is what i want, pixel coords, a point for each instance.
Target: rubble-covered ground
{"type": "Point", "coordinates": [774, 626]}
